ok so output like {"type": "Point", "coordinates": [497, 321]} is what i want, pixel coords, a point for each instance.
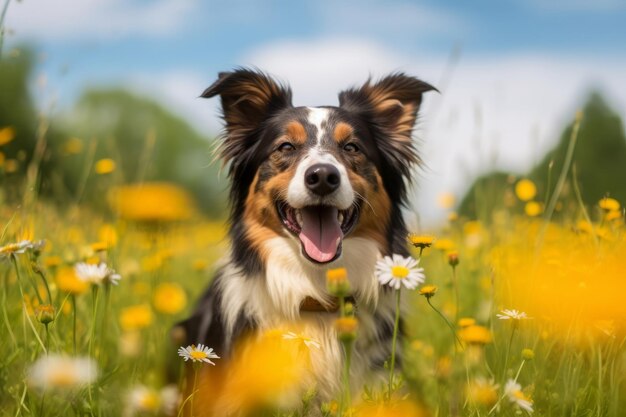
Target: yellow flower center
{"type": "Point", "coordinates": [10, 248]}
{"type": "Point", "coordinates": [198, 355]}
{"type": "Point", "coordinates": [399, 272]}
{"type": "Point", "coordinates": [150, 401]}
{"type": "Point", "coordinates": [62, 378]}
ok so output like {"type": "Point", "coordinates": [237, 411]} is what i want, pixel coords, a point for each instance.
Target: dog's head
{"type": "Point", "coordinates": [317, 175]}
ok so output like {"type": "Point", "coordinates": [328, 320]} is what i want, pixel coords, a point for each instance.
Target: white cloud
{"type": "Point", "coordinates": [95, 19]}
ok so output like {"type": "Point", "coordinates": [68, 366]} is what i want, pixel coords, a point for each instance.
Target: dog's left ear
{"type": "Point", "coordinates": [391, 105]}
{"type": "Point", "coordinates": [249, 97]}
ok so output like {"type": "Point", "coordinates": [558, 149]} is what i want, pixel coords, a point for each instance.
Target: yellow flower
{"type": "Point", "coordinates": [169, 298]}
{"type": "Point", "coordinates": [613, 215]}
{"type": "Point", "coordinates": [337, 282]}
{"type": "Point", "coordinates": [99, 246]}
{"type": "Point", "coordinates": [609, 204]}
{"type": "Point", "coordinates": [528, 354]}
{"type": "Point", "coordinates": [136, 317]}
{"type": "Point", "coordinates": [466, 322]}
{"type": "Point", "coordinates": [533, 209]}
{"type": "Point", "coordinates": [446, 200]}
{"type": "Point", "coordinates": [105, 166]}
{"type": "Point", "coordinates": [483, 393]}
{"type": "Point", "coordinates": [152, 202]}
{"type": "Point", "coordinates": [11, 166]}
{"type": "Point", "coordinates": [68, 281]}
{"type": "Point", "coordinates": [2, 158]}
{"type": "Point", "coordinates": [421, 241]}
{"type": "Point", "coordinates": [51, 261]}
{"type": "Point", "coordinates": [45, 313]}
{"type": "Point", "coordinates": [7, 134]}
{"type": "Point", "coordinates": [108, 235]}
{"type": "Point", "coordinates": [346, 328]}
{"type": "Point", "coordinates": [525, 190]}
{"type": "Point", "coordinates": [428, 290]}
{"type": "Point", "coordinates": [453, 258]}
{"type": "Point", "coordinates": [403, 408]}
{"type": "Point", "coordinates": [444, 245]}
{"type": "Point", "coordinates": [475, 334]}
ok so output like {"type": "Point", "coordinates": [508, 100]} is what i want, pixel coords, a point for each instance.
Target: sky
{"type": "Point", "coordinates": [511, 73]}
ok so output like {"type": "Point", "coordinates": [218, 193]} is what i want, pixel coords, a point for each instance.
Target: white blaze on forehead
{"type": "Point", "coordinates": [298, 195]}
{"type": "Point", "coordinates": [316, 117]}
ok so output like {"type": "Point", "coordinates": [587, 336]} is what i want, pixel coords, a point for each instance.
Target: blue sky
{"type": "Point", "coordinates": [522, 68]}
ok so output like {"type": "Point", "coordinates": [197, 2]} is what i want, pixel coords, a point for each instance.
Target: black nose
{"type": "Point", "coordinates": [322, 179]}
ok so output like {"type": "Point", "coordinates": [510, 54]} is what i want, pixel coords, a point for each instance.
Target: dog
{"type": "Point", "coordinates": [312, 188]}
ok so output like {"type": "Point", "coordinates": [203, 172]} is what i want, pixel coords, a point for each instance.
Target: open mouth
{"type": "Point", "coordinates": [321, 229]}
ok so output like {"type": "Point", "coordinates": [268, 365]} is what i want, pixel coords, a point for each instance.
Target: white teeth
{"type": "Point", "coordinates": [340, 217]}
{"type": "Point", "coordinates": [299, 218]}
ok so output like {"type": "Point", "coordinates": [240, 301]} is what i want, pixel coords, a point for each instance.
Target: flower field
{"type": "Point", "coordinates": [518, 312]}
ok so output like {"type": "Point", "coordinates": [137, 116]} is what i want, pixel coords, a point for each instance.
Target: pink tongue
{"type": "Point", "coordinates": [321, 232]}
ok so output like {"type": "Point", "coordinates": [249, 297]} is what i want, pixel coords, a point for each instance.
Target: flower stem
{"type": "Point", "coordinates": [396, 324]}
{"type": "Point", "coordinates": [195, 384]}
{"type": "Point", "coordinates": [347, 400]}
{"type": "Point", "coordinates": [508, 349]}
{"type": "Point", "coordinates": [452, 329]}
{"type": "Point", "coordinates": [456, 294]}
{"type": "Point", "coordinates": [73, 296]}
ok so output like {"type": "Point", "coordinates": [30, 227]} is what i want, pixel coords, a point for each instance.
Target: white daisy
{"type": "Point", "coordinates": [512, 315]}
{"type": "Point", "coordinates": [62, 372]}
{"type": "Point", "coordinates": [200, 353]}
{"type": "Point", "coordinates": [513, 391]}
{"type": "Point", "coordinates": [398, 271]}
{"type": "Point", "coordinates": [96, 274]}
{"type": "Point", "coordinates": [19, 247]}
{"type": "Point", "coordinates": [307, 341]}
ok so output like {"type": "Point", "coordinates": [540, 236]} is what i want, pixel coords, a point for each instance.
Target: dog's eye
{"type": "Point", "coordinates": [286, 147]}
{"type": "Point", "coordinates": [350, 147]}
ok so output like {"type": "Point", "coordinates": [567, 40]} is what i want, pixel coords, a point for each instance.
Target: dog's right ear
{"type": "Point", "coordinates": [248, 98]}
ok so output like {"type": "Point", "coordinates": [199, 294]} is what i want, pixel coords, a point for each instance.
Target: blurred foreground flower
{"type": "Point", "coordinates": [397, 271]}
{"type": "Point", "coordinates": [96, 274]}
{"type": "Point", "coordinates": [609, 204]}
{"type": "Point", "coordinates": [62, 372]}
{"type": "Point", "coordinates": [483, 392]}
{"type": "Point", "coordinates": [306, 341]}
{"type": "Point", "coordinates": [200, 353]}
{"type": "Point", "coordinates": [337, 282]}
{"type": "Point", "coordinates": [513, 391]}
{"type": "Point", "coordinates": [152, 202]}
{"type": "Point", "coordinates": [265, 371]}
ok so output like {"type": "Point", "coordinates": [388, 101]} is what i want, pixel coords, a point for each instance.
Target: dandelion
{"type": "Point", "coordinates": [96, 274]}
{"type": "Point", "coordinates": [507, 314]}
{"type": "Point", "coordinates": [466, 322]}
{"type": "Point", "coordinates": [200, 353]}
{"type": "Point", "coordinates": [62, 372]}
{"type": "Point", "coordinates": [307, 341]}
{"type": "Point", "coordinates": [7, 134]}
{"type": "Point", "coordinates": [142, 399]}
{"type": "Point", "coordinates": [609, 204]}
{"type": "Point", "coordinates": [475, 335]}
{"type": "Point", "coordinates": [428, 291]}
{"type": "Point", "coordinates": [397, 271]}
{"type": "Point", "coordinates": [444, 245]}
{"type": "Point", "coordinates": [105, 166]}
{"type": "Point", "coordinates": [169, 298]}
{"type": "Point", "coordinates": [533, 209]}
{"type": "Point", "coordinates": [421, 241]}
{"type": "Point", "coordinates": [513, 391]}
{"type": "Point", "coordinates": [68, 281]}
{"type": "Point", "coordinates": [528, 354]}
{"type": "Point", "coordinates": [453, 258]}
{"type": "Point", "coordinates": [525, 190]}
{"type": "Point", "coordinates": [45, 313]}
{"type": "Point", "coordinates": [136, 317]}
